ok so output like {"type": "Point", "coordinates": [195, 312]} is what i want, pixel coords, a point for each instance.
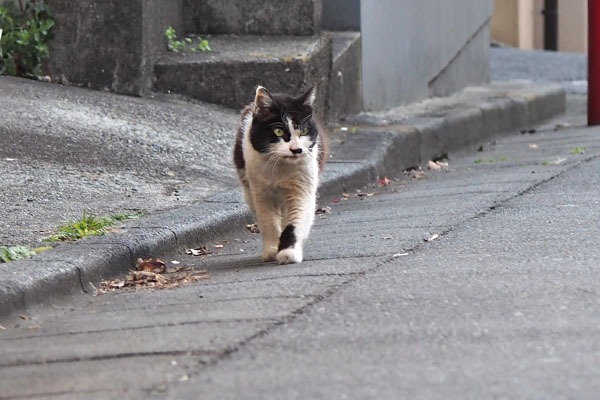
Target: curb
{"type": "Point", "coordinates": [380, 148]}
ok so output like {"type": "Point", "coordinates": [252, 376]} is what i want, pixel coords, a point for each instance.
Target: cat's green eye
{"type": "Point", "coordinates": [278, 132]}
{"type": "Point", "coordinates": [304, 132]}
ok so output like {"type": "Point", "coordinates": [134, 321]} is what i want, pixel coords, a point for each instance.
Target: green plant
{"type": "Point", "coordinates": [24, 33]}
{"type": "Point", "coordinates": [8, 254]}
{"type": "Point", "coordinates": [578, 150]}
{"type": "Point", "coordinates": [177, 45]}
{"type": "Point", "coordinates": [88, 225]}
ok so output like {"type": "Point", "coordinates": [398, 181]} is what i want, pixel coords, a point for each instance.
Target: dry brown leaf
{"type": "Point", "coordinates": [172, 278]}
{"type": "Point", "coordinates": [218, 246]}
{"type": "Point", "coordinates": [150, 265]}
{"type": "Point", "coordinates": [253, 228]}
{"type": "Point", "coordinates": [24, 317]}
{"type": "Point", "coordinates": [384, 182]}
{"type": "Point", "coordinates": [346, 195]}
{"type": "Point", "coordinates": [200, 251]}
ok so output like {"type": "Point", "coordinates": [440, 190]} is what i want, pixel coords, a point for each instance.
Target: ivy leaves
{"type": "Point", "coordinates": [24, 33]}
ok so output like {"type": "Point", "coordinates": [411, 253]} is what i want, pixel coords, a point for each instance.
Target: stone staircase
{"type": "Point", "coordinates": [280, 44]}
{"type": "Point", "coordinates": [275, 43]}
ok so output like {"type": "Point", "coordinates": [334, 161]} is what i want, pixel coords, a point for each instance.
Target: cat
{"type": "Point", "coordinates": [279, 153]}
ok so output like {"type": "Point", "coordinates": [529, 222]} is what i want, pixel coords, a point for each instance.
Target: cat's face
{"type": "Point", "coordinates": [282, 125]}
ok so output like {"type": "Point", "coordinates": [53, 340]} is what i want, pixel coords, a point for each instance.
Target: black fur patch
{"type": "Point", "coordinates": [287, 239]}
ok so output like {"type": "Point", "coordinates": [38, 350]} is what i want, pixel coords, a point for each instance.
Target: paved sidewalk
{"type": "Point", "coordinates": [501, 304]}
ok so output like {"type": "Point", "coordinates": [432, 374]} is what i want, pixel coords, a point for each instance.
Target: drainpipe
{"type": "Point", "coordinates": [593, 62]}
{"type": "Point", "coordinates": [550, 25]}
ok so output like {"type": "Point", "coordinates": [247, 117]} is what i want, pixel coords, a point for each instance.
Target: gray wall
{"type": "Point", "coordinates": [413, 49]}
{"type": "Point", "coordinates": [341, 15]}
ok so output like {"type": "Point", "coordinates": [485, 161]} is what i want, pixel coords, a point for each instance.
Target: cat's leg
{"type": "Point", "coordinates": [268, 218]}
{"type": "Point", "coordinates": [298, 219]}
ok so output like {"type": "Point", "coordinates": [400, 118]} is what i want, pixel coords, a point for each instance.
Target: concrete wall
{"type": "Point", "coordinates": [341, 15]}
{"type": "Point", "coordinates": [410, 46]}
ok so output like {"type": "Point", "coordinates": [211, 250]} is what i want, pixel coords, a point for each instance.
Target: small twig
{"type": "Point", "coordinates": [21, 5]}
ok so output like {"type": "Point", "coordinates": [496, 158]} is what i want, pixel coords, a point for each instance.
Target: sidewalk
{"type": "Point", "coordinates": [73, 150]}
{"type": "Point", "coordinates": [471, 282]}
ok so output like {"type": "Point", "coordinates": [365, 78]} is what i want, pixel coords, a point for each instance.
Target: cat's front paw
{"type": "Point", "coordinates": [288, 256]}
{"type": "Point", "coordinates": [269, 254]}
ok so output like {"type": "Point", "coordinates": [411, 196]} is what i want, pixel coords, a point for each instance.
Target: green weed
{"type": "Point", "coordinates": [177, 45]}
{"type": "Point", "coordinates": [88, 225]}
{"type": "Point", "coordinates": [491, 160]}
{"type": "Point", "coordinates": [578, 150]}
{"type": "Point", "coordinates": [8, 254]}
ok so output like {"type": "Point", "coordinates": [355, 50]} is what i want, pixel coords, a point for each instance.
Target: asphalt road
{"type": "Point", "coordinates": [502, 302]}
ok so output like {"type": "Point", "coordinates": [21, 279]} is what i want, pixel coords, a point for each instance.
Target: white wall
{"type": "Point", "coordinates": [408, 43]}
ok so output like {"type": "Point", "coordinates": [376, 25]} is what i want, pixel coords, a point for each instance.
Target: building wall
{"type": "Point", "coordinates": [520, 23]}
{"type": "Point", "coordinates": [409, 46]}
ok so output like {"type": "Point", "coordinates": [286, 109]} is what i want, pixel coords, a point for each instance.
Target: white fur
{"type": "Point", "coordinates": [280, 189]}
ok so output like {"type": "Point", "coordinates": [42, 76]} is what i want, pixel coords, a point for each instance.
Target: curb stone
{"type": "Point", "coordinates": [380, 146]}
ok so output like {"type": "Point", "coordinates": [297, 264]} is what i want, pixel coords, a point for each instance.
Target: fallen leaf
{"type": "Point", "coordinates": [384, 182]}
{"type": "Point", "coordinates": [25, 317]}
{"type": "Point", "coordinates": [323, 210]}
{"type": "Point", "coordinates": [150, 265]}
{"type": "Point", "coordinates": [442, 163]}
{"type": "Point", "coordinates": [3, 328]}
{"type": "Point", "coordinates": [253, 228]}
{"type": "Point", "coordinates": [174, 262]}
{"type": "Point", "coordinates": [346, 195]}
{"type": "Point", "coordinates": [200, 251]}
{"type": "Point", "coordinates": [399, 255]}
{"type": "Point", "coordinates": [365, 194]}
{"type": "Point", "coordinates": [335, 201]}
{"type": "Point", "coordinates": [388, 237]}
{"type": "Point", "coordinates": [218, 246]}
{"type": "Point", "coordinates": [533, 146]}
{"type": "Point", "coordinates": [433, 237]}
{"type": "Point", "coordinates": [433, 166]}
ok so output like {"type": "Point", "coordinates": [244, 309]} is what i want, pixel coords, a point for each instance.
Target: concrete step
{"type": "Point", "coordinates": [230, 73]}
{"type": "Point", "coordinates": [345, 81]}
{"type": "Point", "coordinates": [252, 17]}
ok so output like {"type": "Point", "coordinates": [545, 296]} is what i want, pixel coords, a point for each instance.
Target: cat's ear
{"type": "Point", "coordinates": [308, 98]}
{"type": "Point", "coordinates": [263, 99]}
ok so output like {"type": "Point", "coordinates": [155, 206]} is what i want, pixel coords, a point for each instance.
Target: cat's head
{"type": "Point", "coordinates": [282, 125]}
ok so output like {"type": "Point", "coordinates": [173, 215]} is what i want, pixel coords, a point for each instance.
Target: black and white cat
{"type": "Point", "coordinates": [279, 153]}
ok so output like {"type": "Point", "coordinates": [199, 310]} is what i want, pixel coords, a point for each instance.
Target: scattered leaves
{"type": "Point", "coordinates": [253, 228]}
{"type": "Point", "coordinates": [170, 278]}
{"type": "Point", "coordinates": [200, 251]}
{"type": "Point", "coordinates": [415, 173]}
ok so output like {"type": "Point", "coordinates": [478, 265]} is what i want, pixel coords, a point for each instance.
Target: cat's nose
{"type": "Point", "coordinates": [296, 151]}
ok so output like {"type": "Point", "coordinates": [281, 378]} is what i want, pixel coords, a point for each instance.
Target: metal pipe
{"type": "Point", "coordinates": [593, 62]}
{"type": "Point", "coordinates": [550, 25]}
